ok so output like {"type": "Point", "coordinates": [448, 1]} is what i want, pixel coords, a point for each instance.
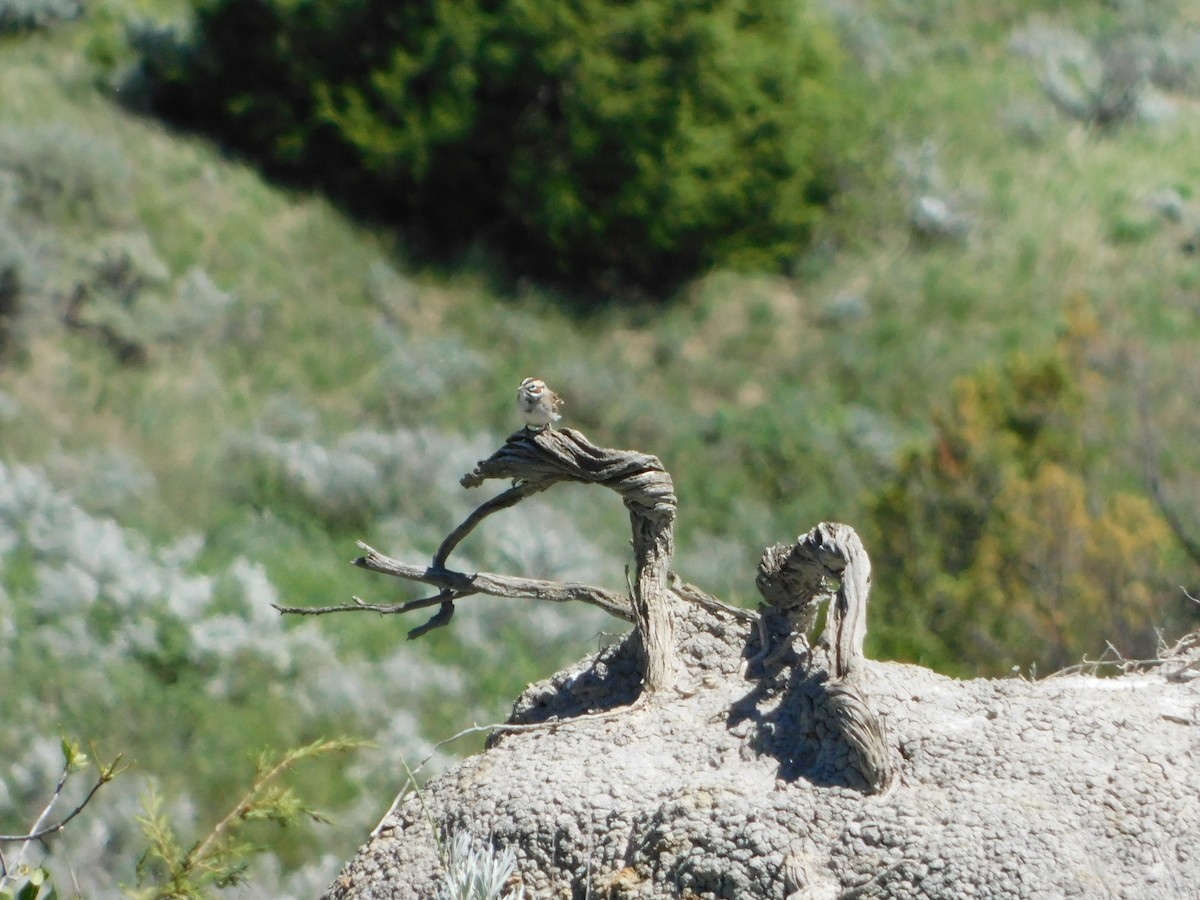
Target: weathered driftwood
{"type": "Point", "coordinates": [454, 585]}
{"type": "Point", "coordinates": [829, 564]}
{"type": "Point", "coordinates": [539, 459]}
{"type": "Point", "coordinates": [535, 461]}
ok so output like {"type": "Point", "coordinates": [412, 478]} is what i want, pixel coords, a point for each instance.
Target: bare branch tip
{"type": "Point", "coordinates": [369, 551]}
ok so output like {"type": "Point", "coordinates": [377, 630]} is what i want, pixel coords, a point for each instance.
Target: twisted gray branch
{"type": "Point", "coordinates": [455, 585]}
{"type": "Point", "coordinates": [830, 563]}
{"type": "Point", "coordinates": [541, 459]}
{"type": "Point", "coordinates": [535, 461]}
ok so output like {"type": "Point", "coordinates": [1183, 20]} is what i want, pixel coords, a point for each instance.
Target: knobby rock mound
{"type": "Point", "coordinates": [720, 753]}
{"type": "Point", "coordinates": [744, 783]}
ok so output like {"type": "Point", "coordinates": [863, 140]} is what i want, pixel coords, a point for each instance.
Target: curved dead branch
{"type": "Point", "coordinates": [535, 461]}
{"type": "Point", "coordinates": [830, 563]}
{"type": "Point", "coordinates": [538, 459]}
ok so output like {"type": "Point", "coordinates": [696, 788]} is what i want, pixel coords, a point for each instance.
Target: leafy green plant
{"type": "Point", "coordinates": [169, 872]}
{"type": "Point", "coordinates": [36, 885]}
{"type": "Point", "coordinates": [20, 881]}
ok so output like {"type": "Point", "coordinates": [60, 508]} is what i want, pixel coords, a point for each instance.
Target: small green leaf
{"type": "Point", "coordinates": [74, 757]}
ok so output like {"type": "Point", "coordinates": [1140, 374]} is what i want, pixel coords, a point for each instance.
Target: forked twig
{"type": "Point", "coordinates": [456, 585]}
{"type": "Point", "coordinates": [40, 829]}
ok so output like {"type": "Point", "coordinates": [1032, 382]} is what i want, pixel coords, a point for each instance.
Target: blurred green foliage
{"type": "Point", "coordinates": [610, 145]}
{"type": "Point", "coordinates": [993, 543]}
{"type": "Point", "coordinates": [219, 859]}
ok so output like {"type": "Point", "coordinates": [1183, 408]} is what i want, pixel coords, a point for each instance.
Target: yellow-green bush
{"type": "Point", "coordinates": [992, 548]}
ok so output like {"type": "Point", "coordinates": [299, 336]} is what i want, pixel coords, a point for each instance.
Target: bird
{"type": "Point", "coordinates": [537, 404]}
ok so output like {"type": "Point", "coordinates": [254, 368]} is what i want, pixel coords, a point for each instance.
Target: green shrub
{"type": "Point", "coordinates": [57, 172]}
{"type": "Point", "coordinates": [28, 15]}
{"type": "Point", "coordinates": [993, 546]}
{"type": "Point", "coordinates": [604, 143]}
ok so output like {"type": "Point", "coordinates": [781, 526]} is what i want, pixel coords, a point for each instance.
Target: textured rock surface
{"type": "Point", "coordinates": [1071, 786]}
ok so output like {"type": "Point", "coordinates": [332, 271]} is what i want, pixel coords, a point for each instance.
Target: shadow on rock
{"type": "Point", "coordinates": [796, 715]}
{"type": "Point", "coordinates": [611, 679]}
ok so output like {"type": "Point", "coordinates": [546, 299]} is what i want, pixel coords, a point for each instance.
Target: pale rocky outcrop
{"type": "Point", "coordinates": [1072, 786]}
{"type": "Point", "coordinates": [715, 753]}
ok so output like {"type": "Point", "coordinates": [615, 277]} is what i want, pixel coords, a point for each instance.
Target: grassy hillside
{"type": "Point", "coordinates": [210, 386]}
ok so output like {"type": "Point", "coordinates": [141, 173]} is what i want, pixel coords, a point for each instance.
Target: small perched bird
{"type": "Point", "coordinates": [537, 404]}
